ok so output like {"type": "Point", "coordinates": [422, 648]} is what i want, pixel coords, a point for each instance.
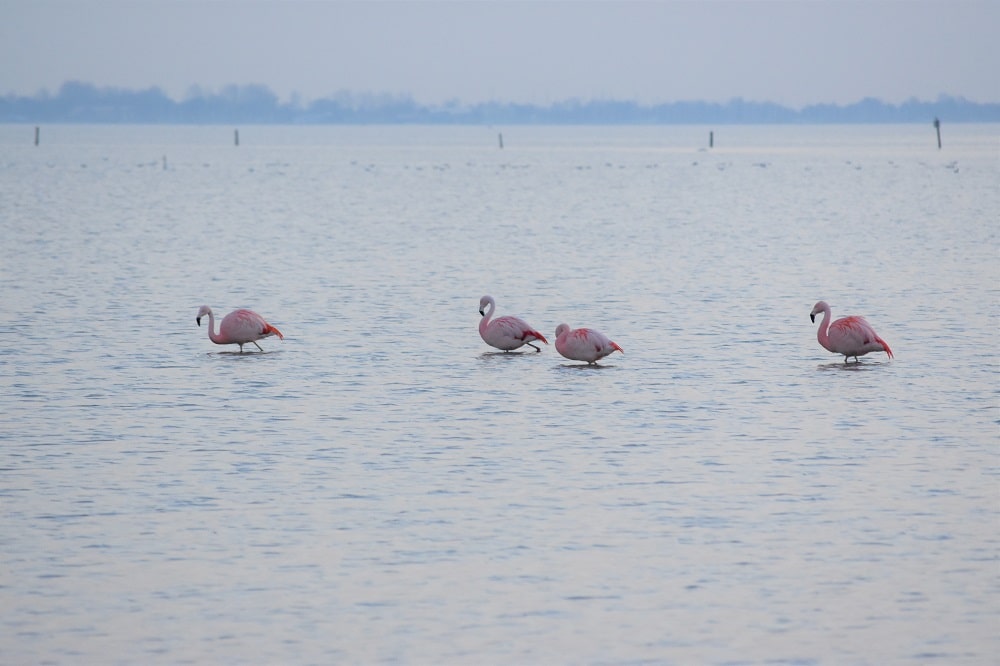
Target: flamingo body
{"type": "Point", "coordinates": [239, 327]}
{"type": "Point", "coordinates": [584, 344]}
{"type": "Point", "coordinates": [850, 336]}
{"type": "Point", "coordinates": [506, 333]}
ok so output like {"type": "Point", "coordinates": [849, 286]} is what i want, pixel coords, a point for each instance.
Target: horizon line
{"type": "Point", "coordinates": [297, 100]}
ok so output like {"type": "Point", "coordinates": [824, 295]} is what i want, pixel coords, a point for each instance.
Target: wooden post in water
{"type": "Point", "coordinates": [37, 130]}
{"type": "Point", "coordinates": [500, 138]}
{"type": "Point", "coordinates": [937, 127]}
{"type": "Point", "coordinates": [236, 137]}
{"type": "Point", "coordinates": [711, 139]}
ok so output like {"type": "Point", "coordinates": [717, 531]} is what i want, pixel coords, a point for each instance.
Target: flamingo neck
{"type": "Point", "coordinates": [823, 334]}
{"type": "Point", "coordinates": [212, 335]}
{"type": "Point", "coordinates": [485, 321]}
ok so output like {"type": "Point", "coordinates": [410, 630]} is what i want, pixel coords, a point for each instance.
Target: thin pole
{"type": "Point", "coordinates": [37, 130]}
{"type": "Point", "coordinates": [236, 137]}
{"type": "Point", "coordinates": [711, 139]}
{"type": "Point", "coordinates": [500, 138]}
{"type": "Point", "coordinates": [937, 126]}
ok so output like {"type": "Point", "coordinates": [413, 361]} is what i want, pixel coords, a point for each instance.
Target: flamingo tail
{"type": "Point", "coordinates": [271, 330]}
{"type": "Point", "coordinates": [539, 336]}
{"type": "Point", "coordinates": [885, 345]}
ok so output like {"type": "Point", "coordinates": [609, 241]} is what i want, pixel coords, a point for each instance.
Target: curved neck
{"type": "Point", "coordinates": [487, 313]}
{"type": "Point", "coordinates": [212, 335]}
{"type": "Point", "coordinates": [823, 334]}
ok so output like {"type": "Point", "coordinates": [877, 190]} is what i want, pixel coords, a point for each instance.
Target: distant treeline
{"type": "Point", "coordinates": [77, 102]}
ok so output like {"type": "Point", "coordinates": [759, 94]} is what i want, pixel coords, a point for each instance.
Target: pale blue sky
{"type": "Point", "coordinates": [793, 53]}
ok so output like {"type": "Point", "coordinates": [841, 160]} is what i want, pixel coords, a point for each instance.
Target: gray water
{"type": "Point", "coordinates": [381, 488]}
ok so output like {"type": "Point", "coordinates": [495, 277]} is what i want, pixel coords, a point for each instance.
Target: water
{"type": "Point", "coordinates": [380, 488]}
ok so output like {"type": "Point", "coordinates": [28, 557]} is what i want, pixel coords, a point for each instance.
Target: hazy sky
{"type": "Point", "coordinates": [793, 53]}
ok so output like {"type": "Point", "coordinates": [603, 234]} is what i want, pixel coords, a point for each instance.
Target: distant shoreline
{"type": "Point", "coordinates": [82, 103]}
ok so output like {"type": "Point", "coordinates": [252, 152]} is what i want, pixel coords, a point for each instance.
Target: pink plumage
{"type": "Point", "coordinates": [239, 327]}
{"type": "Point", "coordinates": [850, 336]}
{"type": "Point", "coordinates": [506, 333]}
{"type": "Point", "coordinates": [584, 344]}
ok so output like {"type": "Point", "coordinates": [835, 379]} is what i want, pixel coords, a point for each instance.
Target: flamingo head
{"type": "Point", "coordinates": [820, 306]}
{"type": "Point", "coordinates": [483, 302]}
{"type": "Point", "coordinates": [202, 311]}
{"type": "Point", "coordinates": [561, 328]}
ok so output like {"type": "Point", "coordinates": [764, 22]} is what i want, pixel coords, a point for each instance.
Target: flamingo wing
{"type": "Point", "coordinates": [854, 336]}
{"type": "Point", "coordinates": [242, 326]}
{"type": "Point", "coordinates": [602, 344]}
{"type": "Point", "coordinates": [585, 344]}
{"type": "Point", "coordinates": [513, 329]}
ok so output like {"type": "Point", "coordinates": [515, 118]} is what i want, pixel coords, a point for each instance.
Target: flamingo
{"type": "Point", "coordinates": [505, 333]}
{"type": "Point", "coordinates": [237, 328]}
{"type": "Point", "coordinates": [850, 336]}
{"type": "Point", "coordinates": [584, 344]}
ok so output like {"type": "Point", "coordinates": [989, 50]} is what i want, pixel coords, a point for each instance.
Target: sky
{"type": "Point", "coordinates": [791, 53]}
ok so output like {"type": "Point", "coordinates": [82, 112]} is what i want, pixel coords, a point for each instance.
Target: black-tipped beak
{"type": "Point", "coordinates": [482, 313]}
{"type": "Point", "coordinates": [812, 318]}
{"type": "Point", "coordinates": [198, 319]}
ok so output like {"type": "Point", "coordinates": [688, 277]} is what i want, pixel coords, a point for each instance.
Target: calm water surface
{"type": "Point", "coordinates": [381, 488]}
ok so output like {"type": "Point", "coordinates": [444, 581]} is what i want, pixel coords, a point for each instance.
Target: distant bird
{"type": "Point", "coordinates": [584, 344]}
{"type": "Point", "coordinates": [239, 327]}
{"type": "Point", "coordinates": [850, 336]}
{"type": "Point", "coordinates": [505, 333]}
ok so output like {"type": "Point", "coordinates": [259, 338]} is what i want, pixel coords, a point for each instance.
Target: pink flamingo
{"type": "Point", "coordinates": [505, 333]}
{"type": "Point", "coordinates": [237, 328]}
{"type": "Point", "coordinates": [584, 344]}
{"type": "Point", "coordinates": [850, 336]}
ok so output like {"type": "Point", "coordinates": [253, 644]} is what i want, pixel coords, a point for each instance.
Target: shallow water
{"type": "Point", "coordinates": [381, 487]}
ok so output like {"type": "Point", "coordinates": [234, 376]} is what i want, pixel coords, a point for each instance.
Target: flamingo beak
{"type": "Point", "coordinates": [482, 313]}
{"type": "Point", "coordinates": [812, 317]}
{"type": "Point", "coordinates": [198, 319]}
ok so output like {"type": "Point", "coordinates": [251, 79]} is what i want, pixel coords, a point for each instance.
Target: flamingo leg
{"type": "Point", "coordinates": [257, 345]}
{"type": "Point", "coordinates": [533, 346]}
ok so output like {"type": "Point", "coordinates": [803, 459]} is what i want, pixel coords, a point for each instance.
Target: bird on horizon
{"type": "Point", "coordinates": [584, 344]}
{"type": "Point", "coordinates": [239, 327]}
{"type": "Point", "coordinates": [850, 336]}
{"type": "Point", "coordinates": [506, 333]}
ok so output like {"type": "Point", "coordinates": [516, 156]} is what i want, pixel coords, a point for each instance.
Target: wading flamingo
{"type": "Point", "coordinates": [239, 327]}
{"type": "Point", "coordinates": [584, 344]}
{"type": "Point", "coordinates": [850, 336]}
{"type": "Point", "coordinates": [505, 333]}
